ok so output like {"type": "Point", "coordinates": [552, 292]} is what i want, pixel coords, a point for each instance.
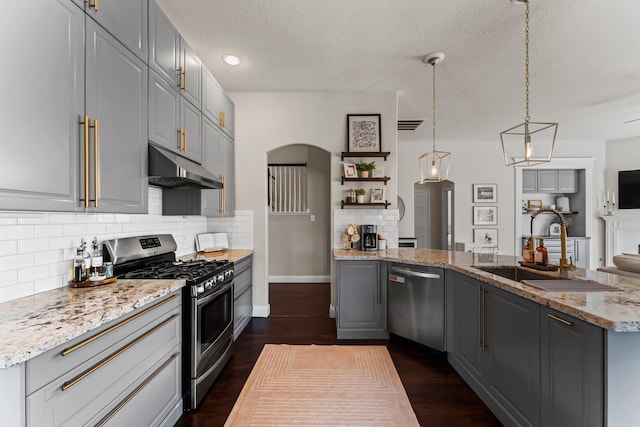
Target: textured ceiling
{"type": "Point", "coordinates": [584, 57]}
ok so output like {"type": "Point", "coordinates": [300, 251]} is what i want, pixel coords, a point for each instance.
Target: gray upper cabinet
{"type": "Point", "coordinates": [126, 20]}
{"type": "Point", "coordinates": [191, 74]}
{"type": "Point", "coordinates": [164, 46]}
{"type": "Point", "coordinates": [116, 97]}
{"type": "Point", "coordinates": [228, 116]}
{"type": "Point", "coordinates": [218, 157]}
{"type": "Point", "coordinates": [550, 181]}
{"type": "Point", "coordinates": [41, 104]}
{"type": "Point", "coordinates": [191, 128]}
{"type": "Point", "coordinates": [572, 371]}
{"type": "Point", "coordinates": [164, 104]}
{"type": "Point", "coordinates": [227, 155]}
{"type": "Point", "coordinates": [213, 98]}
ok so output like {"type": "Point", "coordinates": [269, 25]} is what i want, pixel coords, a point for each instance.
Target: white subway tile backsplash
{"type": "Point", "coordinates": [33, 245]}
{"type": "Point", "coordinates": [19, 290]}
{"type": "Point", "coordinates": [74, 230]}
{"type": "Point", "coordinates": [8, 278]}
{"type": "Point", "coordinates": [13, 232]}
{"type": "Point", "coordinates": [41, 231]}
{"type": "Point", "coordinates": [16, 262]}
{"type": "Point", "coordinates": [33, 218]}
{"type": "Point", "coordinates": [8, 247]}
{"type": "Point", "coordinates": [49, 283]}
{"type": "Point", "coordinates": [33, 273]}
{"type": "Point", "coordinates": [62, 218]}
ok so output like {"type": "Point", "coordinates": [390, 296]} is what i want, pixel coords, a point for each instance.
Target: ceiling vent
{"type": "Point", "coordinates": [409, 124]}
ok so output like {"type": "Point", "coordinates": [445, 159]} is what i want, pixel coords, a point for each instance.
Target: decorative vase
{"type": "Point", "coordinates": [364, 174]}
{"type": "Point", "coordinates": [360, 198]}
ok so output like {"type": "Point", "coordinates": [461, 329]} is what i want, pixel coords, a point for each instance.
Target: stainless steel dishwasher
{"type": "Point", "coordinates": [415, 306]}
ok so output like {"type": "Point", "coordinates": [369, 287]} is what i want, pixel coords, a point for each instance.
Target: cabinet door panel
{"type": "Point", "coordinates": [360, 299]}
{"type": "Point", "coordinates": [211, 161]}
{"type": "Point", "coordinates": [513, 362]}
{"type": "Point", "coordinates": [126, 20]}
{"type": "Point", "coordinates": [42, 86]}
{"type": "Point", "coordinates": [212, 97]}
{"type": "Point", "coordinates": [192, 67]}
{"type": "Point", "coordinates": [164, 45]}
{"type": "Point", "coordinates": [227, 154]}
{"type": "Point", "coordinates": [229, 115]}
{"type": "Point", "coordinates": [567, 181]}
{"type": "Point", "coordinates": [548, 181]}
{"type": "Point", "coordinates": [164, 102]}
{"type": "Point", "coordinates": [529, 181]}
{"type": "Point", "coordinates": [116, 84]}
{"type": "Point", "coordinates": [191, 123]}
{"type": "Point", "coordinates": [467, 325]}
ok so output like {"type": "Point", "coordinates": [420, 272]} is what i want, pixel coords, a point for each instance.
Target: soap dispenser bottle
{"type": "Point", "coordinates": [79, 270]}
{"type": "Point", "coordinates": [96, 260]}
{"type": "Point", "coordinates": [542, 256]}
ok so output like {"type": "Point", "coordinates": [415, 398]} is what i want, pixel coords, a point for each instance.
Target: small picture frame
{"type": "Point", "coordinates": [350, 170]}
{"type": "Point", "coordinates": [534, 205]}
{"type": "Point", "coordinates": [485, 193]}
{"type": "Point", "coordinates": [485, 236]}
{"type": "Point", "coordinates": [377, 173]}
{"type": "Point", "coordinates": [377, 195]}
{"type": "Point", "coordinates": [485, 215]}
{"type": "Point", "coordinates": [363, 133]}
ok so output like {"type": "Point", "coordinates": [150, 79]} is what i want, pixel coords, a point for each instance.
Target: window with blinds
{"type": "Point", "coordinates": [287, 188]}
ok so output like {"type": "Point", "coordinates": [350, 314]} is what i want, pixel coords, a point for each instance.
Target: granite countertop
{"type": "Point", "coordinates": [617, 311]}
{"type": "Point", "coordinates": [233, 255]}
{"type": "Point", "coordinates": [32, 325]}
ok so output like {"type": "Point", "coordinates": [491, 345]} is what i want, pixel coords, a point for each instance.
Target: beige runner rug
{"type": "Point", "coordinates": [314, 385]}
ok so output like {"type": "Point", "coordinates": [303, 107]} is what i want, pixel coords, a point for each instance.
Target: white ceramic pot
{"type": "Point", "coordinates": [360, 198]}
{"type": "Point", "coordinates": [364, 174]}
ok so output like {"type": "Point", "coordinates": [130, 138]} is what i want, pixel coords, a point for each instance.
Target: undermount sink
{"type": "Point", "coordinates": [517, 274]}
{"type": "Point", "coordinates": [546, 282]}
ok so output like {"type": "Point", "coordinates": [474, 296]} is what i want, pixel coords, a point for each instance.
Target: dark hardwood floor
{"type": "Point", "coordinates": [299, 315]}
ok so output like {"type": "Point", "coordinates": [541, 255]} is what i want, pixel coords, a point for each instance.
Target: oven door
{"type": "Point", "coordinates": [211, 328]}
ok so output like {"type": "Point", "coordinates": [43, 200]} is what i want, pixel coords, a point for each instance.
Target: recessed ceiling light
{"type": "Point", "coordinates": [231, 59]}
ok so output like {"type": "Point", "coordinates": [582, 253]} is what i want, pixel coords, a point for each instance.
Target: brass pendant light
{"type": "Point", "coordinates": [524, 144]}
{"type": "Point", "coordinates": [434, 164]}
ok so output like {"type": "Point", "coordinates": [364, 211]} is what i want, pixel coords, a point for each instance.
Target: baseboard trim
{"type": "Point", "coordinates": [299, 279]}
{"type": "Point", "coordinates": [261, 310]}
{"type": "Point", "coordinates": [332, 311]}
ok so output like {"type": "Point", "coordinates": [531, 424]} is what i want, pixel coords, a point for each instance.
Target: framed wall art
{"type": "Point", "coordinates": [485, 215]}
{"type": "Point", "coordinates": [350, 170]}
{"type": "Point", "coordinates": [485, 236]}
{"type": "Point", "coordinates": [363, 133]}
{"type": "Point", "coordinates": [485, 193]}
{"type": "Point", "coordinates": [377, 195]}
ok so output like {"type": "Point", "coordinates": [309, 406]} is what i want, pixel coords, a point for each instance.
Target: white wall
{"type": "Point", "coordinates": [622, 154]}
{"type": "Point", "coordinates": [36, 248]}
{"type": "Point", "coordinates": [483, 162]}
{"type": "Point", "coordinates": [268, 120]}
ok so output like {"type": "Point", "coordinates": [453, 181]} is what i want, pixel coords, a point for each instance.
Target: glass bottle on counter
{"type": "Point", "coordinates": [86, 259]}
{"type": "Point", "coordinates": [542, 257]}
{"type": "Point", "coordinates": [79, 271]}
{"type": "Point", "coordinates": [528, 250]}
{"type": "Point", "coordinates": [96, 260]}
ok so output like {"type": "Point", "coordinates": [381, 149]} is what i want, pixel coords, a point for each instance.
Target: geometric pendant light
{"type": "Point", "coordinates": [434, 164]}
{"type": "Point", "coordinates": [529, 143]}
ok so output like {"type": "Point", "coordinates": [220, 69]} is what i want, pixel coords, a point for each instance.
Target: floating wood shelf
{"type": "Point", "coordinates": [384, 154]}
{"type": "Point", "coordinates": [384, 179]}
{"type": "Point", "coordinates": [349, 205]}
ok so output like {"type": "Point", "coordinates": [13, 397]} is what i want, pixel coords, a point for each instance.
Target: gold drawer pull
{"type": "Point", "coordinates": [68, 384]}
{"type": "Point", "coordinates": [561, 320]}
{"type": "Point", "coordinates": [137, 390]}
{"type": "Point", "coordinates": [89, 340]}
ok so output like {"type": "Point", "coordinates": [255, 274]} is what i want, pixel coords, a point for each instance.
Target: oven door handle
{"type": "Point", "coordinates": [208, 298]}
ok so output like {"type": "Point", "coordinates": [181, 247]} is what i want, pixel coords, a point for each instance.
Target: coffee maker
{"type": "Point", "coordinates": [369, 237]}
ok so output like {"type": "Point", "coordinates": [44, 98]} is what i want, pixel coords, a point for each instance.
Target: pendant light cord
{"type": "Point", "coordinates": [526, 63]}
{"type": "Point", "coordinates": [433, 129]}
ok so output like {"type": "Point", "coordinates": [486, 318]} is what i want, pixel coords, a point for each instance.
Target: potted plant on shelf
{"type": "Point", "coordinates": [360, 195]}
{"type": "Point", "coordinates": [364, 168]}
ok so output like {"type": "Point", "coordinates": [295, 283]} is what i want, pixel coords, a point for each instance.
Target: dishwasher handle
{"type": "Point", "coordinates": [415, 273]}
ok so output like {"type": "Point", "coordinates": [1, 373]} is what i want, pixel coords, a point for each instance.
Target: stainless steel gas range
{"type": "Point", "coordinates": [207, 304]}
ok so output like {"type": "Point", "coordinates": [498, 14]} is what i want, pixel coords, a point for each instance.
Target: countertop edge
{"type": "Point", "coordinates": [466, 266]}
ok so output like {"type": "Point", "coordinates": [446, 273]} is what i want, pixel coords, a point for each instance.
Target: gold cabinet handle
{"type": "Point", "coordinates": [137, 390]}
{"type": "Point", "coordinates": [86, 161]}
{"type": "Point", "coordinates": [91, 339]}
{"type": "Point", "coordinates": [94, 6]}
{"type": "Point", "coordinates": [559, 319]}
{"type": "Point", "coordinates": [184, 149]}
{"type": "Point", "coordinates": [68, 384]}
{"type": "Point", "coordinates": [221, 118]}
{"type": "Point", "coordinates": [96, 162]}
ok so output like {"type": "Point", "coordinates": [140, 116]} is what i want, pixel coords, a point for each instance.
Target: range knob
{"type": "Point", "coordinates": [220, 277]}
{"type": "Point", "coordinates": [200, 289]}
{"type": "Point", "coordinates": [209, 285]}
{"type": "Point", "coordinates": [228, 273]}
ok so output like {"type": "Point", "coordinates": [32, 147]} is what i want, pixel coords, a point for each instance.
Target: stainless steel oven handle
{"type": "Point", "coordinates": [208, 298]}
{"type": "Point", "coordinates": [415, 273]}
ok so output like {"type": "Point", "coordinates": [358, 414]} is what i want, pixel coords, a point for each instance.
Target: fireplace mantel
{"type": "Point", "coordinates": [622, 234]}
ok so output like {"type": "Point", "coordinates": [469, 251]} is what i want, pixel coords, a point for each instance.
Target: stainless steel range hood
{"type": "Point", "coordinates": [167, 169]}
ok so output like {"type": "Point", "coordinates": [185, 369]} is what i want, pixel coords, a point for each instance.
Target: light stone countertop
{"type": "Point", "coordinates": [233, 255]}
{"type": "Point", "coordinates": [32, 325]}
{"type": "Point", "coordinates": [617, 311]}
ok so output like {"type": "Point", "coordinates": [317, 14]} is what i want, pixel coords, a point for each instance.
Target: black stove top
{"type": "Point", "coordinates": [192, 271]}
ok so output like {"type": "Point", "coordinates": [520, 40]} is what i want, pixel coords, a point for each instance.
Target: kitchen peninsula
{"type": "Point", "coordinates": [534, 357]}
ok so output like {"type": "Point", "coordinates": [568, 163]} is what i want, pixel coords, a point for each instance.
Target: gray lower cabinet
{"type": "Point", "coordinates": [242, 295]}
{"type": "Point", "coordinates": [124, 373]}
{"type": "Point", "coordinates": [361, 303]}
{"type": "Point", "coordinates": [126, 20]}
{"type": "Point", "coordinates": [494, 345]}
{"type": "Point", "coordinates": [572, 371]}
